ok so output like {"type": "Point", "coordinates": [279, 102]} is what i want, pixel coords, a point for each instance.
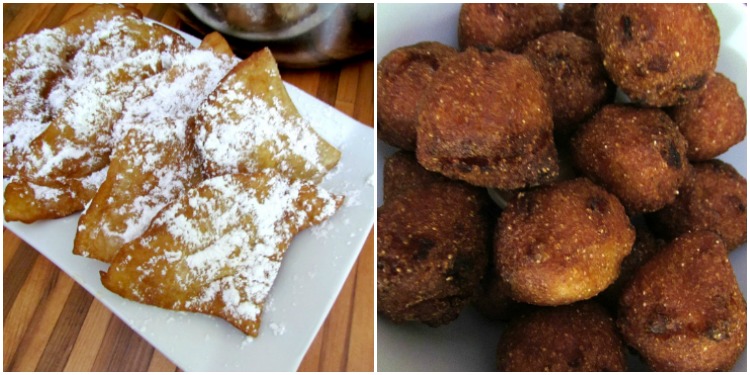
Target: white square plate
{"type": "Point", "coordinates": [312, 273]}
{"type": "Point", "coordinates": [469, 343]}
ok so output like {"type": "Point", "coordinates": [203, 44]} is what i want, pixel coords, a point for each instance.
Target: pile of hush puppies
{"type": "Point", "coordinates": [526, 186]}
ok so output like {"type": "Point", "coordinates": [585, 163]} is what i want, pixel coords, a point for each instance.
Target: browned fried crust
{"type": "Point", "coordinates": [505, 26]}
{"type": "Point", "coordinates": [713, 198]}
{"type": "Point", "coordinates": [713, 121]}
{"type": "Point", "coordinates": [658, 54]}
{"type": "Point", "coordinates": [432, 250]}
{"type": "Point", "coordinates": [683, 310]}
{"type": "Point", "coordinates": [578, 337]}
{"type": "Point", "coordinates": [562, 243]}
{"type": "Point", "coordinates": [403, 75]}
{"type": "Point", "coordinates": [638, 154]}
{"type": "Point", "coordinates": [402, 172]}
{"type": "Point", "coordinates": [579, 18]}
{"type": "Point", "coordinates": [575, 80]}
{"type": "Point", "coordinates": [485, 120]}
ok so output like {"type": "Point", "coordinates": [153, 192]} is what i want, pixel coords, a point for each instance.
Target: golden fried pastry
{"type": "Point", "coordinates": [91, 46]}
{"type": "Point", "coordinates": [33, 63]}
{"type": "Point", "coordinates": [78, 137]}
{"type": "Point", "coordinates": [217, 248]}
{"type": "Point", "coordinates": [485, 119]}
{"type": "Point", "coordinates": [658, 54]}
{"type": "Point", "coordinates": [28, 201]}
{"type": "Point", "coordinates": [249, 124]}
{"type": "Point", "coordinates": [154, 159]}
{"type": "Point", "coordinates": [683, 310]}
{"type": "Point", "coordinates": [562, 243]}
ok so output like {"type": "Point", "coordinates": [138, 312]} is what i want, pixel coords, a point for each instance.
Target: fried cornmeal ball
{"type": "Point", "coordinates": [579, 18]}
{"type": "Point", "coordinates": [485, 120]}
{"type": "Point", "coordinates": [645, 246]}
{"type": "Point", "coordinates": [562, 243]}
{"type": "Point", "coordinates": [684, 311]}
{"type": "Point", "coordinates": [575, 80]}
{"type": "Point", "coordinates": [713, 121]}
{"type": "Point", "coordinates": [713, 198]}
{"type": "Point", "coordinates": [577, 337]}
{"type": "Point", "coordinates": [403, 75]}
{"type": "Point", "coordinates": [638, 154]}
{"type": "Point", "coordinates": [402, 172]}
{"type": "Point", "coordinates": [658, 54]}
{"type": "Point", "coordinates": [432, 250]}
{"type": "Point", "coordinates": [505, 26]}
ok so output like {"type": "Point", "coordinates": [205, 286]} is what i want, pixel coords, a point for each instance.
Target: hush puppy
{"type": "Point", "coordinates": [713, 121]}
{"type": "Point", "coordinates": [402, 172]}
{"type": "Point", "coordinates": [562, 243]}
{"type": "Point", "coordinates": [658, 54]}
{"type": "Point", "coordinates": [485, 119]}
{"type": "Point", "coordinates": [638, 154]}
{"type": "Point", "coordinates": [578, 337]}
{"type": "Point", "coordinates": [713, 198]}
{"type": "Point", "coordinates": [505, 26]}
{"type": "Point", "coordinates": [683, 311]}
{"type": "Point", "coordinates": [575, 80]}
{"type": "Point", "coordinates": [579, 18]}
{"type": "Point", "coordinates": [403, 75]}
{"type": "Point", "coordinates": [432, 251]}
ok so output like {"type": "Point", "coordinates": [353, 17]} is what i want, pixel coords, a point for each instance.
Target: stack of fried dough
{"type": "Point", "coordinates": [617, 219]}
{"type": "Point", "coordinates": [193, 169]}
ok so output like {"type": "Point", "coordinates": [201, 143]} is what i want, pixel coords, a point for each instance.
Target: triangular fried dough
{"type": "Point", "coordinates": [216, 43]}
{"type": "Point", "coordinates": [218, 247]}
{"type": "Point", "coordinates": [30, 102]}
{"type": "Point", "coordinates": [249, 124]}
{"type": "Point", "coordinates": [28, 202]}
{"type": "Point", "coordinates": [154, 159]}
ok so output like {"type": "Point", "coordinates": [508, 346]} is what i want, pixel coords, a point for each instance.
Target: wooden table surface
{"type": "Point", "coordinates": [53, 324]}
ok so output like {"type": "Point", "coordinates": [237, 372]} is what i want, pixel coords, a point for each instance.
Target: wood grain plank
{"type": "Point", "coordinates": [89, 339]}
{"type": "Point", "coordinates": [337, 327]}
{"type": "Point", "coordinates": [157, 11]}
{"type": "Point", "coordinates": [328, 85]}
{"type": "Point", "coordinates": [122, 349]}
{"type": "Point", "coordinates": [362, 336]}
{"type": "Point", "coordinates": [306, 81]}
{"type": "Point", "coordinates": [58, 349]}
{"type": "Point", "coordinates": [161, 363]}
{"type": "Point", "coordinates": [347, 89]}
{"type": "Point", "coordinates": [21, 313]}
{"type": "Point", "coordinates": [19, 268]}
{"type": "Point", "coordinates": [43, 323]}
{"type": "Point", "coordinates": [311, 360]}
{"type": "Point", "coordinates": [363, 105]}
{"type": "Point", "coordinates": [11, 242]}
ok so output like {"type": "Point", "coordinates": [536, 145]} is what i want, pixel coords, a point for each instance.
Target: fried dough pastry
{"type": "Point", "coordinates": [155, 158]}
{"type": "Point", "coordinates": [218, 247]}
{"type": "Point", "coordinates": [59, 62]}
{"type": "Point", "coordinates": [249, 124]}
{"type": "Point", "coordinates": [28, 202]}
{"type": "Point", "coordinates": [77, 140]}
{"type": "Point", "coordinates": [33, 62]}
